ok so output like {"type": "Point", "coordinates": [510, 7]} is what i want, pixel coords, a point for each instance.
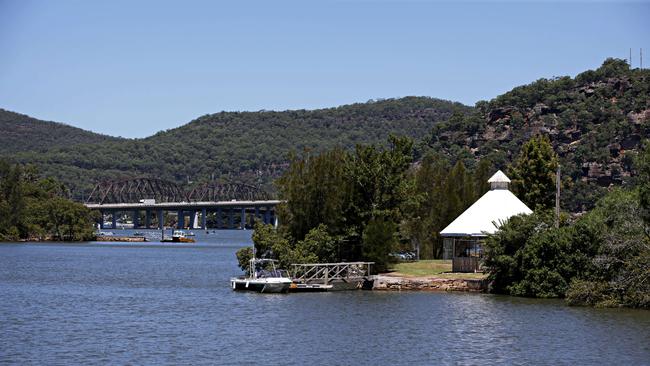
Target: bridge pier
{"type": "Point", "coordinates": [267, 215]}
{"type": "Point", "coordinates": [114, 218]}
{"type": "Point", "coordinates": [181, 219]}
{"type": "Point", "coordinates": [204, 219]}
{"type": "Point", "coordinates": [161, 220]}
{"type": "Point", "coordinates": [192, 217]}
{"type": "Point", "coordinates": [242, 224]}
{"type": "Point", "coordinates": [136, 218]}
{"type": "Point", "coordinates": [219, 218]}
{"type": "Point", "coordinates": [231, 218]}
{"type": "Point", "coordinates": [147, 219]}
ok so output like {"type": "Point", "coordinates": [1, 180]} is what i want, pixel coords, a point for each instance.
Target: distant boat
{"type": "Point", "coordinates": [179, 236]}
{"type": "Point", "coordinates": [262, 279]}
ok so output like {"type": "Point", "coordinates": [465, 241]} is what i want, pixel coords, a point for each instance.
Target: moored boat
{"type": "Point", "coordinates": [178, 236]}
{"type": "Point", "coordinates": [262, 277]}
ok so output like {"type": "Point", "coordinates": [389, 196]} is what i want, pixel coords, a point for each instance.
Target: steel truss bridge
{"type": "Point", "coordinates": [154, 203]}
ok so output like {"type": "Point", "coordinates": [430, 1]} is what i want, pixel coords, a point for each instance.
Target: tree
{"type": "Point", "coordinates": [315, 190]}
{"type": "Point", "coordinates": [533, 173]}
{"type": "Point", "coordinates": [620, 272]}
{"type": "Point", "coordinates": [37, 209]}
{"type": "Point", "coordinates": [379, 241]}
{"type": "Point", "coordinates": [643, 162]}
{"type": "Point", "coordinates": [423, 214]}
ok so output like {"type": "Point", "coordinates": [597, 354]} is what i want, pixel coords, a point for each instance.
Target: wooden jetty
{"type": "Point", "coordinates": [311, 277]}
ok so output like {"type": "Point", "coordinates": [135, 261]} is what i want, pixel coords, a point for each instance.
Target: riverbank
{"type": "Point", "coordinates": [429, 275]}
{"type": "Point", "coordinates": [398, 283]}
{"type": "Point", "coordinates": [126, 239]}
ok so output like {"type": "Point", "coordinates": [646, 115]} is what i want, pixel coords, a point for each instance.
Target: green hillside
{"type": "Point", "coordinates": [239, 146]}
{"type": "Point", "coordinates": [596, 123]}
{"type": "Point", "coordinates": [24, 133]}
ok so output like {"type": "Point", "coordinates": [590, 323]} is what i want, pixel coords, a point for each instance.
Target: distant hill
{"type": "Point", "coordinates": [24, 133]}
{"type": "Point", "coordinates": [251, 147]}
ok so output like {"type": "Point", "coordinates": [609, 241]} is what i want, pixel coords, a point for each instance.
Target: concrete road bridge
{"type": "Point", "coordinates": [148, 203]}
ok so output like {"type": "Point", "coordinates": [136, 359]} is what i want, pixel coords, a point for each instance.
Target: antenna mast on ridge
{"type": "Point", "coordinates": [630, 59]}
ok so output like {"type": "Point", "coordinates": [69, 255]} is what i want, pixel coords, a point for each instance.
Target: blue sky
{"type": "Point", "coordinates": [132, 68]}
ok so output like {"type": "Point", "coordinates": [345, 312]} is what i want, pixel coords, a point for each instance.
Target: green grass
{"type": "Point", "coordinates": [431, 268]}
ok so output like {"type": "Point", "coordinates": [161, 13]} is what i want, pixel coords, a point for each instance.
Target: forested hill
{"type": "Point", "coordinates": [24, 133]}
{"type": "Point", "coordinates": [596, 122]}
{"type": "Point", "coordinates": [251, 147]}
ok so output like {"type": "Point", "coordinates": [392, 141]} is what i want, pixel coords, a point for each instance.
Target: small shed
{"type": "Point", "coordinates": [463, 239]}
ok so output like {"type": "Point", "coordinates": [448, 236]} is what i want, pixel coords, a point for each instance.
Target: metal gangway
{"type": "Point", "coordinates": [326, 276]}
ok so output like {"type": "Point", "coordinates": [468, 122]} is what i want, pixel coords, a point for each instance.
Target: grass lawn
{"type": "Point", "coordinates": [431, 268]}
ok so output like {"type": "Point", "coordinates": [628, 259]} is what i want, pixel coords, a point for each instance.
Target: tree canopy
{"type": "Point", "coordinates": [37, 209]}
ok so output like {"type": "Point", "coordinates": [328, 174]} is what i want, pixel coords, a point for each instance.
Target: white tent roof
{"type": "Point", "coordinates": [487, 214]}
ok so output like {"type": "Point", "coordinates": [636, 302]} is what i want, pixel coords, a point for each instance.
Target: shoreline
{"type": "Point", "coordinates": [430, 283]}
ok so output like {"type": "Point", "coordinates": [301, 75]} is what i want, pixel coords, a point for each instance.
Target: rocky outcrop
{"type": "Point", "coordinates": [506, 124]}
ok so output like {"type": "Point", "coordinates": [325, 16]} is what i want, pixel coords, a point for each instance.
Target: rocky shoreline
{"type": "Point", "coordinates": [393, 283]}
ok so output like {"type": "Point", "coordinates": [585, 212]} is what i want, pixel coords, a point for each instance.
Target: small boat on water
{"type": "Point", "coordinates": [262, 277]}
{"type": "Point", "coordinates": [178, 236]}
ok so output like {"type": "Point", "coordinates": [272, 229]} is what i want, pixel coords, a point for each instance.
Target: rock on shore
{"type": "Point", "coordinates": [391, 283]}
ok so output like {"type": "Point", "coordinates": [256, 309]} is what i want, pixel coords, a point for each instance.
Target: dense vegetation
{"type": "Point", "coordinates": [366, 204]}
{"type": "Point", "coordinates": [602, 258]}
{"type": "Point", "coordinates": [36, 209]}
{"type": "Point", "coordinates": [595, 122]}
{"type": "Point", "coordinates": [23, 133]}
{"type": "Point", "coordinates": [252, 147]}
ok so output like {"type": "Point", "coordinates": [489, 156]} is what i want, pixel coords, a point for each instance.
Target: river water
{"type": "Point", "coordinates": [168, 304]}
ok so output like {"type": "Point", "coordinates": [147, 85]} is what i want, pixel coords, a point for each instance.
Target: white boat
{"type": "Point", "coordinates": [262, 277]}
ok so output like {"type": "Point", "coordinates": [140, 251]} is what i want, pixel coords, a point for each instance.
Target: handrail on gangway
{"type": "Point", "coordinates": [327, 272]}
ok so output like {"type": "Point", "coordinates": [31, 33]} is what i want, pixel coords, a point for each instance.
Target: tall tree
{"type": "Point", "coordinates": [423, 209]}
{"type": "Point", "coordinates": [315, 189]}
{"type": "Point", "coordinates": [533, 173]}
{"type": "Point", "coordinates": [482, 174]}
{"type": "Point", "coordinates": [643, 163]}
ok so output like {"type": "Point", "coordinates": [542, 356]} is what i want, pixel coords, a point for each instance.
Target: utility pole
{"type": "Point", "coordinates": [557, 197]}
{"type": "Point", "coordinates": [641, 58]}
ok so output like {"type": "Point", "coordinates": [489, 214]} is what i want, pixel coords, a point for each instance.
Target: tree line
{"type": "Point", "coordinates": [37, 209]}
{"type": "Point", "coordinates": [365, 204]}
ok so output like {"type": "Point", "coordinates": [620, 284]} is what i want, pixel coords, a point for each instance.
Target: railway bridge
{"type": "Point", "coordinates": [148, 203]}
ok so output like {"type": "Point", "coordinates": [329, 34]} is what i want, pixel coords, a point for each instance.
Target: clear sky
{"type": "Point", "coordinates": [132, 68]}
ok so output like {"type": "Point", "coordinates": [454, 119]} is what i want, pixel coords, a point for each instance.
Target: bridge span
{"type": "Point", "coordinates": [145, 203]}
{"type": "Point", "coordinates": [148, 214]}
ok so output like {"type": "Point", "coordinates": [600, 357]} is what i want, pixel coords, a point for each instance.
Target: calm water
{"type": "Point", "coordinates": [155, 304]}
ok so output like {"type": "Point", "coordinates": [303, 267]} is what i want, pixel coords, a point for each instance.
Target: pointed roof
{"type": "Point", "coordinates": [499, 177]}
{"type": "Point", "coordinates": [489, 212]}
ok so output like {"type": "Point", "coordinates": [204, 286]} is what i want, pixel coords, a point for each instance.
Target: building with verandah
{"type": "Point", "coordinates": [463, 239]}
